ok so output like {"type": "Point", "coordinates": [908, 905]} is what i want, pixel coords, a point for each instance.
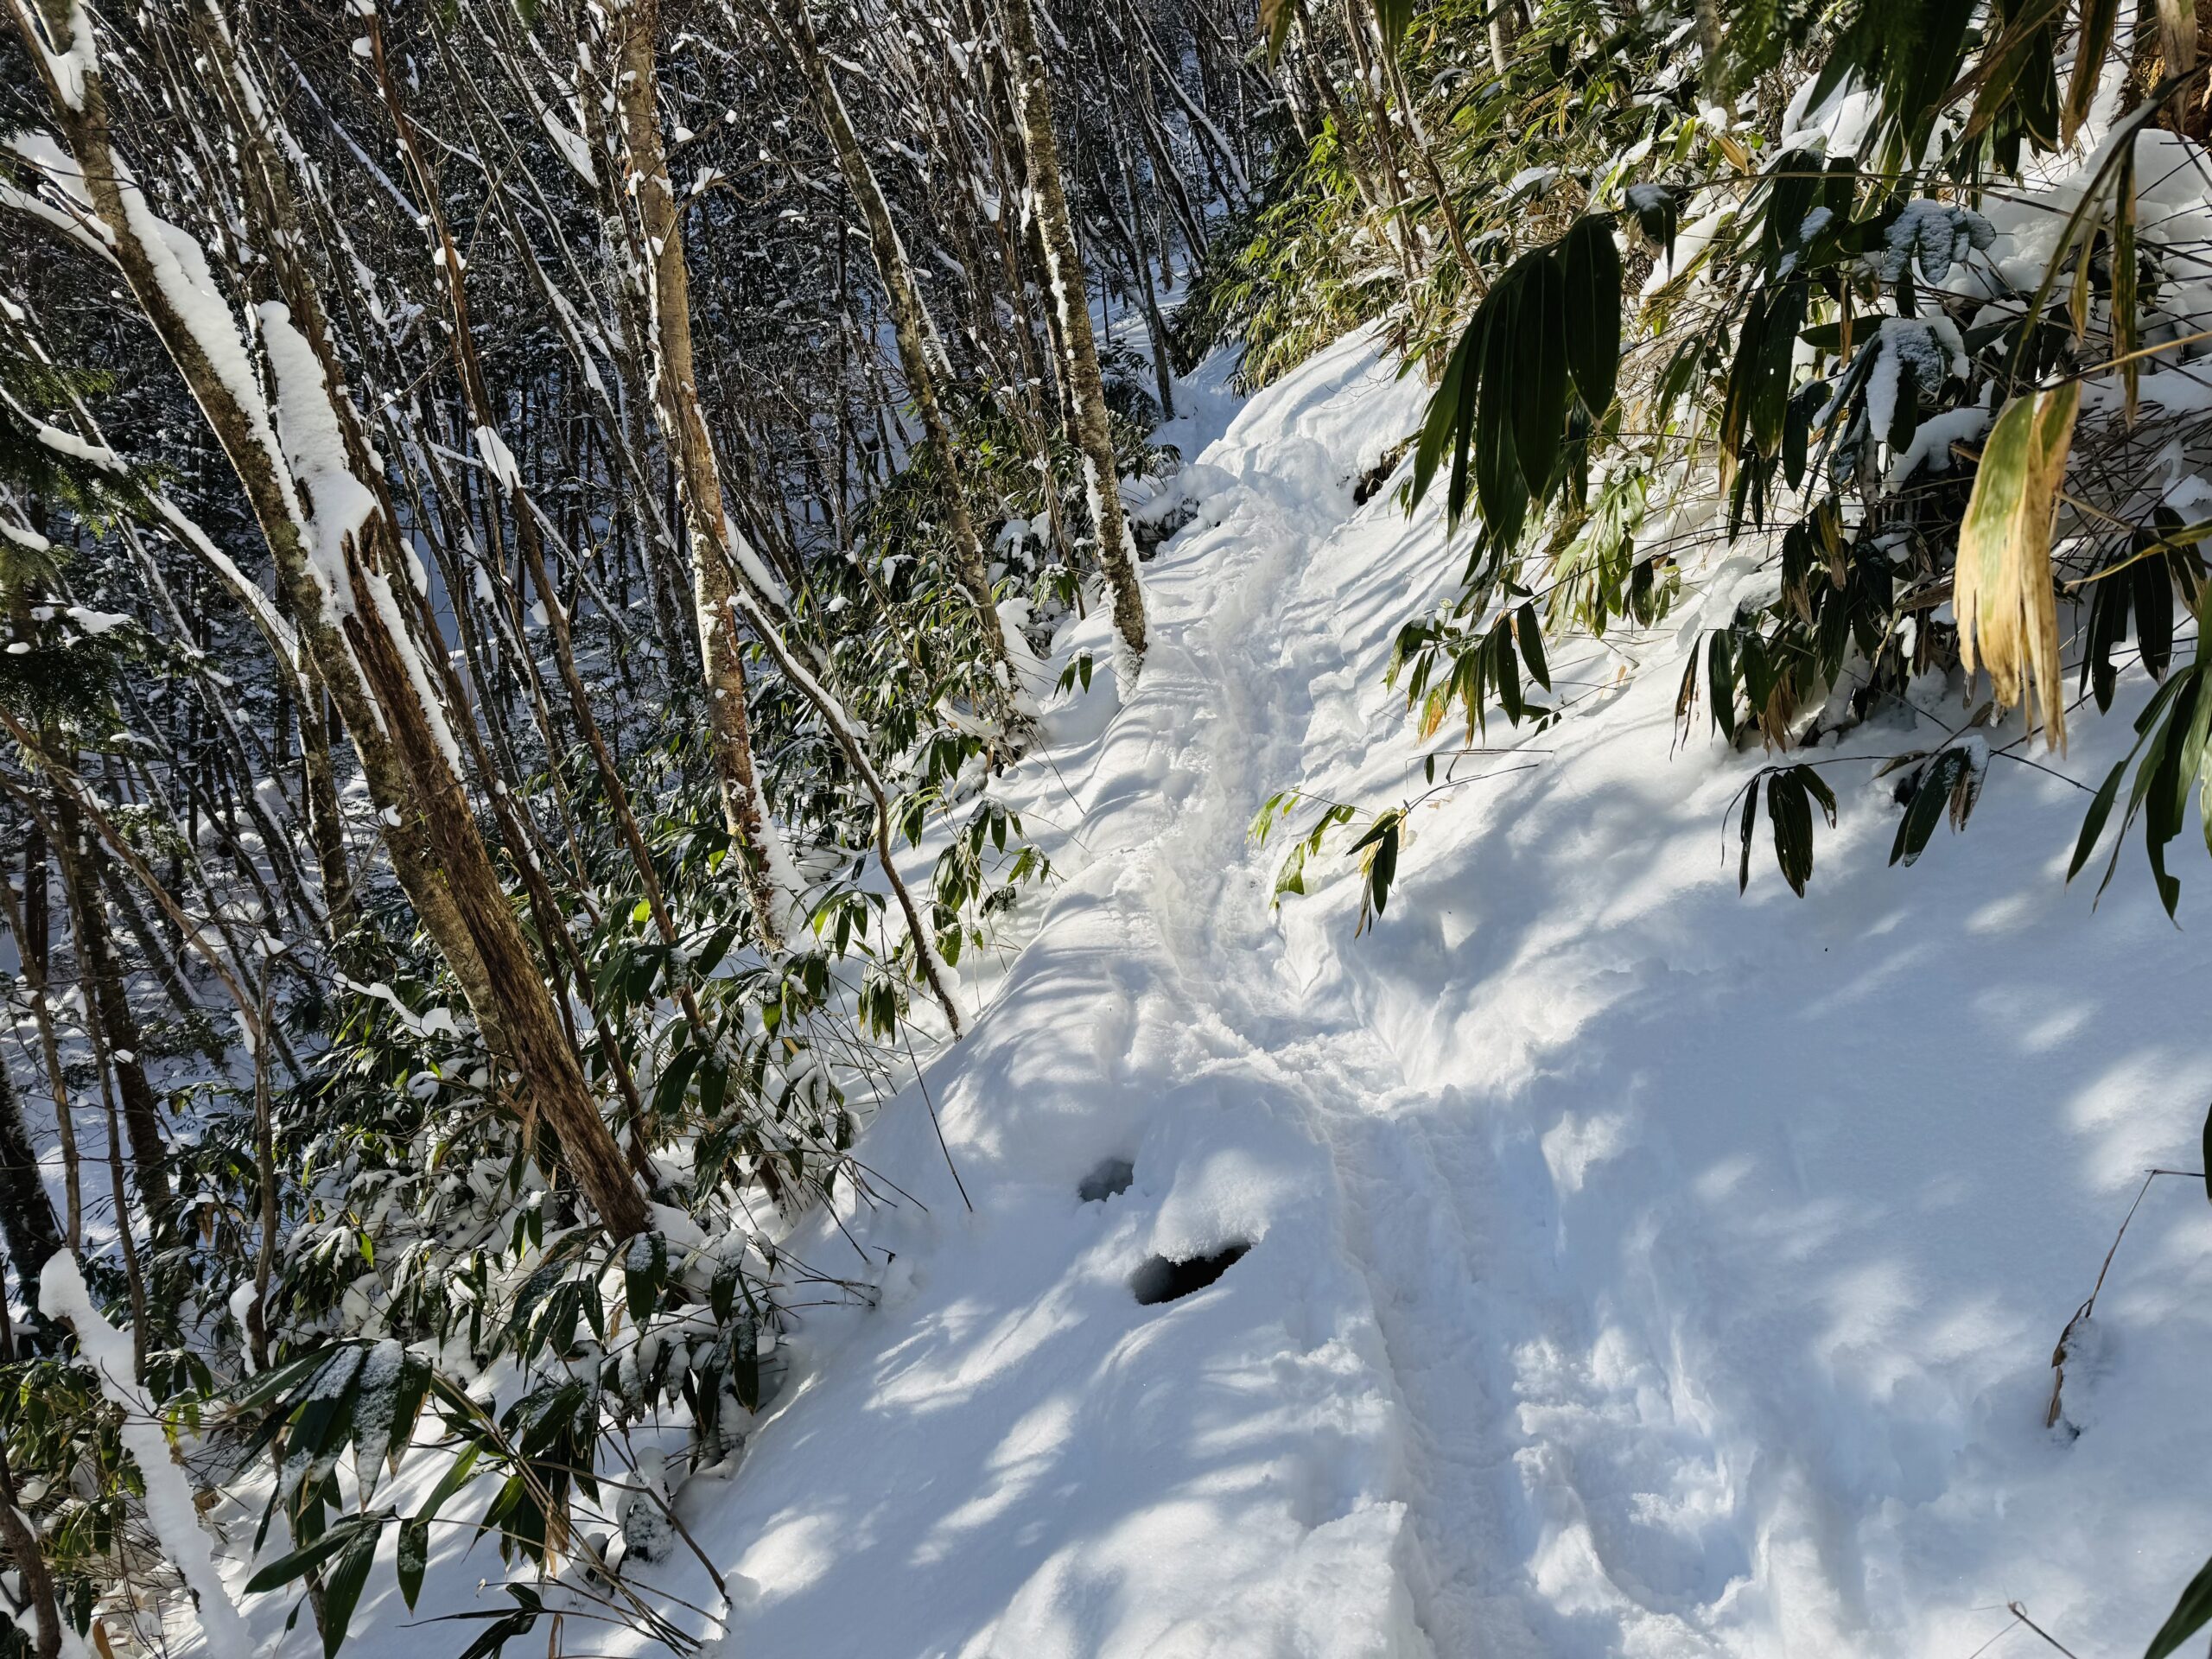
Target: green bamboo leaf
{"type": "Point", "coordinates": [1720, 684]}
{"type": "Point", "coordinates": [2111, 598]}
{"type": "Point", "coordinates": [2189, 1615]}
{"type": "Point", "coordinates": [296, 1563]}
{"type": "Point", "coordinates": [1591, 296]}
{"type": "Point", "coordinates": [1785, 314]}
{"type": "Point", "coordinates": [668, 1094]}
{"type": "Point", "coordinates": [1793, 182]}
{"type": "Point", "coordinates": [1448, 427]}
{"type": "Point", "coordinates": [1540, 379]}
{"type": "Point", "coordinates": [714, 1088]}
{"type": "Point", "coordinates": [2206, 1150]}
{"type": "Point", "coordinates": [1499, 485]}
{"type": "Point", "coordinates": [1791, 815]}
{"type": "Point", "coordinates": [1530, 634]}
{"type": "Point", "coordinates": [2091, 43]}
{"type": "Point", "coordinates": [1929, 795]}
{"type": "Point", "coordinates": [1393, 18]}
{"type": "Point", "coordinates": [2158, 736]}
{"type": "Point", "coordinates": [1378, 857]}
{"type": "Point", "coordinates": [409, 1387]}
{"type": "Point", "coordinates": [644, 1271]}
{"type": "Point", "coordinates": [2093, 825]}
{"type": "Point", "coordinates": [1816, 786]}
{"type": "Point", "coordinates": [280, 1381]}
{"type": "Point", "coordinates": [341, 1590]}
{"type": "Point", "coordinates": [415, 1532]}
{"type": "Point", "coordinates": [1751, 817]}
{"type": "Point", "coordinates": [1743, 384]}
{"type": "Point", "coordinates": [1505, 671]}
{"type": "Point", "coordinates": [2153, 593]}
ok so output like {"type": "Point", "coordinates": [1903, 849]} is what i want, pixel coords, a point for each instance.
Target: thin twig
{"type": "Point", "coordinates": [922, 1083]}
{"type": "Point", "coordinates": [2021, 1613]}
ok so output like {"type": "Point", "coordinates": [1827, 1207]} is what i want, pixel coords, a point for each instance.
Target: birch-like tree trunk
{"type": "Point", "coordinates": [1071, 291]}
{"type": "Point", "coordinates": [772, 884]}
{"type": "Point", "coordinates": [499, 462]}
{"type": "Point", "coordinates": [718, 549]}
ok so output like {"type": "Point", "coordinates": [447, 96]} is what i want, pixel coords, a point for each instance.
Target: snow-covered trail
{"type": "Point", "coordinates": [1635, 1269]}
{"type": "Point", "coordinates": [1012, 1457]}
{"type": "Point", "coordinates": [1262, 1106]}
{"type": "Point", "coordinates": [1718, 1244]}
{"type": "Point", "coordinates": [1282, 645]}
{"type": "Point", "coordinates": [1269, 644]}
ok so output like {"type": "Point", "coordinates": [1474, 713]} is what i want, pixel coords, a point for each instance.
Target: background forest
{"type": "Point", "coordinates": [533, 533]}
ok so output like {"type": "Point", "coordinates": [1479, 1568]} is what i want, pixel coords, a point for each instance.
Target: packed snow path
{"type": "Point", "coordinates": [1633, 1267]}
{"type": "Point", "coordinates": [1016, 1457]}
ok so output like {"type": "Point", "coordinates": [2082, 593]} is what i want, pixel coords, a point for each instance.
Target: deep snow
{"type": "Point", "coordinates": [1634, 1267]}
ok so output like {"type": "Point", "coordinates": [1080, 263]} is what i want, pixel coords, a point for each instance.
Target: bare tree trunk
{"type": "Point", "coordinates": [104, 1061]}
{"type": "Point", "coordinates": [716, 545]}
{"type": "Point", "coordinates": [1417, 136]}
{"type": "Point", "coordinates": [921, 352]}
{"type": "Point", "coordinates": [158, 959]}
{"type": "Point", "coordinates": [1396, 235]}
{"type": "Point", "coordinates": [27, 1216]}
{"type": "Point", "coordinates": [1502, 29]}
{"type": "Point", "coordinates": [22, 1542]}
{"type": "Point", "coordinates": [108, 1004]}
{"type": "Point", "coordinates": [1386, 147]}
{"type": "Point", "coordinates": [265, 1164]}
{"type": "Point", "coordinates": [31, 942]}
{"type": "Point", "coordinates": [500, 461]}
{"type": "Point", "coordinates": [325, 827]}
{"type": "Point", "coordinates": [1133, 240]}
{"type": "Point", "coordinates": [719, 552]}
{"type": "Point", "coordinates": [1116, 552]}
{"type": "Point", "coordinates": [363, 655]}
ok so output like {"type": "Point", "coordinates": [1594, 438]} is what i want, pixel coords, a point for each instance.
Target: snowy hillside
{"type": "Point", "coordinates": [1190, 830]}
{"type": "Point", "coordinates": [1633, 1268]}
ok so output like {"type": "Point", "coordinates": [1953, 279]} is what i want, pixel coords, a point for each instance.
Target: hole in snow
{"type": "Point", "coordinates": [1113, 1175]}
{"type": "Point", "coordinates": [1162, 1281]}
{"type": "Point", "coordinates": [1364, 490]}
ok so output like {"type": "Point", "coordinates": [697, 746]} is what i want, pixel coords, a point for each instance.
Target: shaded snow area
{"type": "Point", "coordinates": [1585, 1260]}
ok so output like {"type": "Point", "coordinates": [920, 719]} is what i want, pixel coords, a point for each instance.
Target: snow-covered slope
{"type": "Point", "coordinates": [1633, 1267]}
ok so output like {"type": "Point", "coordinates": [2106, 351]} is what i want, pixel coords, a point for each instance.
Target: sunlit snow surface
{"type": "Point", "coordinates": [1634, 1267]}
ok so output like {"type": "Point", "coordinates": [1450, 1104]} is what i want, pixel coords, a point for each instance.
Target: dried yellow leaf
{"type": "Point", "coordinates": [2005, 600]}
